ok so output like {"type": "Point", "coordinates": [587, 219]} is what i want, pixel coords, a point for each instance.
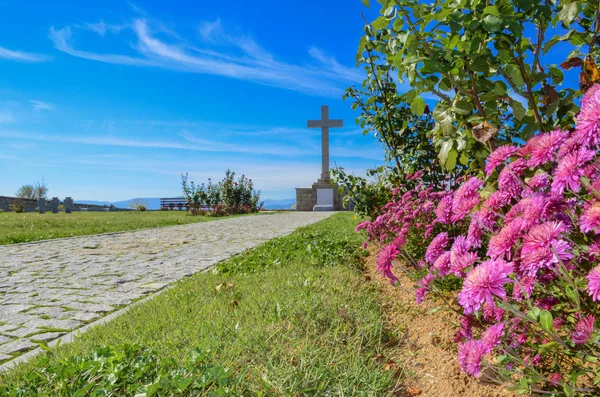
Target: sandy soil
{"type": "Point", "coordinates": [426, 353]}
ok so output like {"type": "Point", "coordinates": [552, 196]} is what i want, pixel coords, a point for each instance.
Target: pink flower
{"type": "Point", "coordinates": [483, 283]}
{"type": "Point", "coordinates": [569, 170]}
{"type": "Point", "coordinates": [555, 378]}
{"type": "Point", "coordinates": [587, 130]}
{"type": "Point", "coordinates": [583, 330]}
{"type": "Point", "coordinates": [539, 181]}
{"type": "Point", "coordinates": [466, 198]}
{"type": "Point", "coordinates": [540, 245]}
{"type": "Point", "coordinates": [509, 179]}
{"type": "Point", "coordinates": [470, 355]}
{"type": "Point", "coordinates": [497, 200]}
{"type": "Point", "coordinates": [436, 247]}
{"type": "Point", "coordinates": [593, 287]}
{"type": "Point", "coordinates": [384, 261]}
{"type": "Point", "coordinates": [590, 220]}
{"type": "Point", "coordinates": [523, 288]}
{"type": "Point", "coordinates": [543, 148]}
{"type": "Point", "coordinates": [493, 335]}
{"type": "Point", "coordinates": [443, 211]}
{"type": "Point", "coordinates": [498, 157]}
{"type": "Point", "coordinates": [501, 244]}
{"type": "Point", "coordinates": [443, 263]}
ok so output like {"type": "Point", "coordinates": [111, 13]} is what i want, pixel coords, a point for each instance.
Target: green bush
{"type": "Point", "coordinates": [17, 206]}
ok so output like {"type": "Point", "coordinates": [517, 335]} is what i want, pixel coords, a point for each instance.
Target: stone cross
{"type": "Point", "coordinates": [325, 124]}
{"type": "Point", "coordinates": [68, 205]}
{"type": "Point", "coordinates": [54, 205]}
{"type": "Point", "coordinates": [42, 205]}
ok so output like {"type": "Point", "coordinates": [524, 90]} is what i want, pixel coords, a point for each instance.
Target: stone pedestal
{"type": "Point", "coordinates": [322, 196]}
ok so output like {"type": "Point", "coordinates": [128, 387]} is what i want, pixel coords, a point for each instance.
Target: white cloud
{"type": "Point", "coordinates": [22, 56]}
{"type": "Point", "coordinates": [39, 105]}
{"type": "Point", "coordinates": [226, 54]}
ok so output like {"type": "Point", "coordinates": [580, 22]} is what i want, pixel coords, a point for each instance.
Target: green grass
{"type": "Point", "coordinates": [26, 227]}
{"type": "Point", "coordinates": [292, 317]}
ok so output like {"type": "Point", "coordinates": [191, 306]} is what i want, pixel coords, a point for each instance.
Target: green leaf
{"type": "Point", "coordinates": [518, 110]}
{"type": "Point", "coordinates": [444, 151]}
{"type": "Point", "coordinates": [464, 159]}
{"type": "Point", "coordinates": [492, 23]}
{"type": "Point", "coordinates": [451, 161]}
{"type": "Point", "coordinates": [546, 320]}
{"type": "Point", "coordinates": [491, 10]}
{"type": "Point", "coordinates": [434, 310]}
{"type": "Point", "coordinates": [569, 12]}
{"type": "Point", "coordinates": [366, 3]}
{"type": "Point", "coordinates": [418, 106]}
{"type": "Point", "coordinates": [516, 77]}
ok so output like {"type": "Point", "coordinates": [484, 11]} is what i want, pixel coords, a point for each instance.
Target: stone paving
{"type": "Point", "coordinates": [50, 288]}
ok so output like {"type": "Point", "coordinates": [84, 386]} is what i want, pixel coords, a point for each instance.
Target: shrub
{"type": "Point", "coordinates": [141, 207]}
{"type": "Point", "coordinates": [127, 370]}
{"type": "Point", "coordinates": [524, 238]}
{"type": "Point", "coordinates": [17, 206]}
{"type": "Point", "coordinates": [138, 204]}
{"type": "Point", "coordinates": [227, 197]}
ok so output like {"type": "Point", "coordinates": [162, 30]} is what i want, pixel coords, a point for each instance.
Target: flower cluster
{"type": "Point", "coordinates": [524, 238]}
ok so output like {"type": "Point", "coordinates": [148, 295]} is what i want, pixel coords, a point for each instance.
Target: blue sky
{"type": "Point", "coordinates": [115, 99]}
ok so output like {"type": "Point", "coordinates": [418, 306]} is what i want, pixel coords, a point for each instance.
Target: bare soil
{"type": "Point", "coordinates": [425, 352]}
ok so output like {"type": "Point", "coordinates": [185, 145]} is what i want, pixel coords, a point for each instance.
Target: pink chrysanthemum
{"type": "Point", "coordinates": [384, 261]}
{"type": "Point", "coordinates": [542, 247]}
{"type": "Point", "coordinates": [492, 336]}
{"type": "Point", "coordinates": [466, 198]}
{"type": "Point", "coordinates": [583, 330]}
{"type": "Point", "coordinates": [483, 283]}
{"type": "Point", "coordinates": [443, 264]}
{"type": "Point", "coordinates": [593, 287]}
{"type": "Point", "coordinates": [501, 244]}
{"type": "Point", "coordinates": [470, 355]}
{"type": "Point", "coordinates": [436, 247]}
{"type": "Point", "coordinates": [555, 378]}
{"type": "Point", "coordinates": [498, 157]}
{"type": "Point", "coordinates": [587, 130]}
{"type": "Point", "coordinates": [590, 220]}
{"type": "Point", "coordinates": [443, 212]}
{"type": "Point", "coordinates": [509, 179]}
{"type": "Point", "coordinates": [569, 170]}
{"type": "Point", "coordinates": [497, 200]}
{"type": "Point", "coordinates": [523, 288]}
{"type": "Point", "coordinates": [539, 181]}
{"type": "Point", "coordinates": [544, 147]}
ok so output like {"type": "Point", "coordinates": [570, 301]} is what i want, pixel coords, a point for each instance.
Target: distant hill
{"type": "Point", "coordinates": [154, 203]}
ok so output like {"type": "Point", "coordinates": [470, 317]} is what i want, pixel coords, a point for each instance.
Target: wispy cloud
{"type": "Point", "coordinates": [39, 105]}
{"type": "Point", "coordinates": [219, 52]}
{"type": "Point", "coordinates": [22, 56]}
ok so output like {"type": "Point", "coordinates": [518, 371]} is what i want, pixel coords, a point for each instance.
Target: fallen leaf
{"type": "Point", "coordinates": [223, 286]}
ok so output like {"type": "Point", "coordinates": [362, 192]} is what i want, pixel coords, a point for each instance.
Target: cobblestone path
{"type": "Point", "coordinates": [50, 288]}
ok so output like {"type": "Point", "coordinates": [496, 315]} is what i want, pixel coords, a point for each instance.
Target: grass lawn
{"type": "Point", "coordinates": [26, 227]}
{"type": "Point", "coordinates": [291, 317]}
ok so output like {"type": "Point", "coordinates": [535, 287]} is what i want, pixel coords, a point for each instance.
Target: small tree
{"type": "Point", "coordinates": [38, 190]}
{"type": "Point", "coordinates": [138, 204]}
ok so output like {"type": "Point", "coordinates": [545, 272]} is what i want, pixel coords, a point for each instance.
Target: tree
{"type": "Point", "coordinates": [38, 190]}
{"type": "Point", "coordinates": [493, 82]}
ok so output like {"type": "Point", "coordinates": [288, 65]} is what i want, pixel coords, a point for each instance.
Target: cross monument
{"type": "Point", "coordinates": [325, 124]}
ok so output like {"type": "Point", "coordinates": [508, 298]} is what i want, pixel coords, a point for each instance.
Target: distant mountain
{"type": "Point", "coordinates": [284, 204]}
{"type": "Point", "coordinates": [154, 203]}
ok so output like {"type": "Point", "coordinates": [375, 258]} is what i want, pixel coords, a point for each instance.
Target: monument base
{"type": "Point", "coordinates": [322, 196]}
{"type": "Point", "coordinates": [318, 208]}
